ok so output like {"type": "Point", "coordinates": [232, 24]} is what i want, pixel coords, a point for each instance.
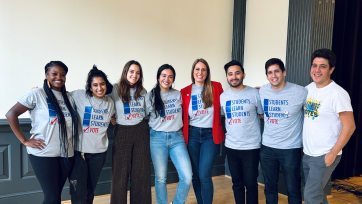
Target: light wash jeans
{"type": "Point", "coordinates": [164, 144]}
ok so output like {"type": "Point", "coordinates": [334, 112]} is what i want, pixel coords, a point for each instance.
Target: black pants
{"type": "Point", "coordinates": [243, 165]}
{"type": "Point", "coordinates": [84, 177]}
{"type": "Point", "coordinates": [52, 172]}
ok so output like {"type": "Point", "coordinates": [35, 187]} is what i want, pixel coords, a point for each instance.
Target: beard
{"type": "Point", "coordinates": [240, 82]}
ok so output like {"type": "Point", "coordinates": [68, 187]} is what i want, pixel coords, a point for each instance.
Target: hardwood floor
{"type": "Point", "coordinates": [223, 193]}
{"type": "Point", "coordinates": [343, 196]}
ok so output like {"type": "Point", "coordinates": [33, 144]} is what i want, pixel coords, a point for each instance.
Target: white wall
{"type": "Point", "coordinates": [265, 37]}
{"type": "Point", "coordinates": [109, 33]}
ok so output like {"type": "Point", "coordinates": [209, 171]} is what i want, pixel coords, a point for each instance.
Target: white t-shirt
{"type": "Point", "coordinates": [44, 122]}
{"type": "Point", "coordinates": [94, 116]}
{"type": "Point", "coordinates": [169, 120]}
{"type": "Point", "coordinates": [199, 116]}
{"type": "Point", "coordinates": [283, 116]}
{"type": "Point", "coordinates": [242, 122]}
{"type": "Point", "coordinates": [322, 125]}
{"type": "Point", "coordinates": [130, 113]}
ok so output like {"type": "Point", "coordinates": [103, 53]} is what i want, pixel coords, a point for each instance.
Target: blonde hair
{"type": "Point", "coordinates": [206, 94]}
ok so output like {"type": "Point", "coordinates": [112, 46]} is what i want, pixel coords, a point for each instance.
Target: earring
{"type": "Point", "coordinates": [49, 85]}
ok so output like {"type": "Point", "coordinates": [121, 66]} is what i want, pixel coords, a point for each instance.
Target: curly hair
{"type": "Point", "coordinates": [95, 72]}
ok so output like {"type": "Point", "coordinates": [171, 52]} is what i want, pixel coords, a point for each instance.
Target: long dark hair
{"type": "Point", "coordinates": [64, 145]}
{"type": "Point", "coordinates": [157, 103]}
{"type": "Point", "coordinates": [95, 72]}
{"type": "Point", "coordinates": [124, 86]}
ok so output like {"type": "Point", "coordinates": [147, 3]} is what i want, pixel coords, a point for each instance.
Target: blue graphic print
{"type": "Point", "coordinates": [87, 118]}
{"type": "Point", "coordinates": [228, 109]}
{"type": "Point", "coordinates": [311, 108]}
{"type": "Point", "coordinates": [266, 102]}
{"type": "Point", "coordinates": [133, 109]}
{"type": "Point", "coordinates": [273, 110]}
{"type": "Point", "coordinates": [52, 114]}
{"type": "Point", "coordinates": [127, 111]}
{"type": "Point", "coordinates": [235, 110]}
{"type": "Point", "coordinates": [194, 103]}
{"type": "Point", "coordinates": [198, 105]}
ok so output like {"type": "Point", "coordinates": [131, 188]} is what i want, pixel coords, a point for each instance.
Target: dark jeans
{"type": "Point", "coordinates": [52, 172]}
{"type": "Point", "coordinates": [289, 160]}
{"type": "Point", "coordinates": [202, 151]}
{"type": "Point", "coordinates": [84, 177]}
{"type": "Point", "coordinates": [243, 166]}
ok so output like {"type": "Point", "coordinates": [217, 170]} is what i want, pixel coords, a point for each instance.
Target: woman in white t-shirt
{"type": "Point", "coordinates": [54, 130]}
{"type": "Point", "coordinates": [95, 110]}
{"type": "Point", "coordinates": [164, 104]}
{"type": "Point", "coordinates": [202, 127]}
{"type": "Point", "coordinates": [131, 145]}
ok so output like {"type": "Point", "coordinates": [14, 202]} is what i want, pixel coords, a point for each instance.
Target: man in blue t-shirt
{"type": "Point", "coordinates": [282, 137]}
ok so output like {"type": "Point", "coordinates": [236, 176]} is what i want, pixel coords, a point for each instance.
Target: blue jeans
{"type": "Point", "coordinates": [203, 151]}
{"type": "Point", "coordinates": [164, 144]}
{"type": "Point", "coordinates": [289, 160]}
{"type": "Point", "coordinates": [84, 177]}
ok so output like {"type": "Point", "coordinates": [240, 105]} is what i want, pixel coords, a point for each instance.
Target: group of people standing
{"type": "Point", "coordinates": [317, 118]}
{"type": "Point", "coordinates": [69, 132]}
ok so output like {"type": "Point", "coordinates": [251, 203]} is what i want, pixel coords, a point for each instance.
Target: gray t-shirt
{"type": "Point", "coordinates": [199, 117]}
{"type": "Point", "coordinates": [130, 113]}
{"type": "Point", "coordinates": [171, 119]}
{"type": "Point", "coordinates": [242, 121]}
{"type": "Point", "coordinates": [44, 122]}
{"type": "Point", "coordinates": [94, 116]}
{"type": "Point", "coordinates": [283, 116]}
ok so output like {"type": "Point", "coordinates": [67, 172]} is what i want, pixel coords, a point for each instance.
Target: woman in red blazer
{"type": "Point", "coordinates": [202, 127]}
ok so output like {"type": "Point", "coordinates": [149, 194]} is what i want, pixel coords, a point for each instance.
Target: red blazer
{"type": "Point", "coordinates": [217, 132]}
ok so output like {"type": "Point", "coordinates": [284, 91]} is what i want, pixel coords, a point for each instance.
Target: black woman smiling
{"type": "Point", "coordinates": [54, 130]}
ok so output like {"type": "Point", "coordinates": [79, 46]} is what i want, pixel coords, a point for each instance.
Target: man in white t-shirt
{"type": "Point", "coordinates": [328, 125]}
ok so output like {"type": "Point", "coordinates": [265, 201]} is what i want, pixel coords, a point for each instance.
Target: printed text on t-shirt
{"type": "Point", "coordinates": [273, 110]}
{"type": "Point", "coordinates": [235, 110]}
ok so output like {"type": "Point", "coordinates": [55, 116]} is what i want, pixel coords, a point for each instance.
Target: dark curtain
{"type": "Point", "coordinates": [347, 44]}
{"type": "Point", "coordinates": [239, 30]}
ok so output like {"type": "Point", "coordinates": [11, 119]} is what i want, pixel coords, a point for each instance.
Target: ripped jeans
{"type": "Point", "coordinates": [84, 177]}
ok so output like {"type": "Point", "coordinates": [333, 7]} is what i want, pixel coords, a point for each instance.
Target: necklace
{"type": "Point", "coordinates": [165, 101]}
{"type": "Point", "coordinates": [91, 103]}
